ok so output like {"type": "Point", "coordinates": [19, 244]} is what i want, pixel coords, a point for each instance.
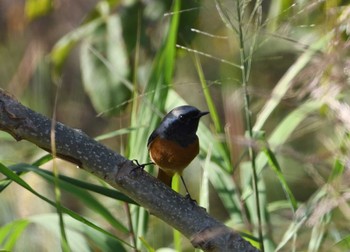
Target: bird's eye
{"type": "Point", "coordinates": [182, 117]}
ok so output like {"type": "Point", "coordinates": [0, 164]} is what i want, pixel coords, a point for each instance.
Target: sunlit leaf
{"type": "Point", "coordinates": [11, 232]}
{"type": "Point", "coordinates": [37, 8]}
{"type": "Point", "coordinates": [63, 47]}
{"type": "Point", "coordinates": [105, 67]}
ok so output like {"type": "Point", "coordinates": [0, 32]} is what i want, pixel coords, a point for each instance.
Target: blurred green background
{"type": "Point", "coordinates": [274, 75]}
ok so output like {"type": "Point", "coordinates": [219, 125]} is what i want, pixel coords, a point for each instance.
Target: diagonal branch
{"type": "Point", "coordinates": [75, 146]}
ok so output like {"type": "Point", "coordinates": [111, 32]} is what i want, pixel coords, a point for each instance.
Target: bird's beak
{"type": "Point", "coordinates": [203, 113]}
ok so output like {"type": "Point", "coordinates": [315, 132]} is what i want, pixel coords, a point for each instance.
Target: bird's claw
{"type": "Point", "coordinates": [189, 198]}
{"type": "Point", "coordinates": [135, 161]}
{"type": "Point", "coordinates": [140, 166]}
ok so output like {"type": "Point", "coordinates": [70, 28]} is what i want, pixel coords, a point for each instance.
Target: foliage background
{"type": "Point", "coordinates": [114, 69]}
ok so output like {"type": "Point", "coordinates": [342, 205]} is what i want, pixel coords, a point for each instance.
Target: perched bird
{"type": "Point", "coordinates": [174, 144]}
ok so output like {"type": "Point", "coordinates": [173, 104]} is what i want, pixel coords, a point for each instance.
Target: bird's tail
{"type": "Point", "coordinates": [165, 177]}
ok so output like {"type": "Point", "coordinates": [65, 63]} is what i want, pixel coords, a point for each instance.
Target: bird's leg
{"type": "Point", "coordinates": [188, 196]}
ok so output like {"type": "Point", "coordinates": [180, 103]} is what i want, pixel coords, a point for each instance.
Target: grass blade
{"type": "Point", "coordinates": [11, 232]}
{"type": "Point", "coordinates": [13, 176]}
{"type": "Point", "coordinates": [285, 82]}
{"type": "Point", "coordinates": [81, 194]}
{"type": "Point", "coordinates": [272, 160]}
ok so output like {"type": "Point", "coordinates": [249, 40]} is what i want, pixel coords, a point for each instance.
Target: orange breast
{"type": "Point", "coordinates": [171, 157]}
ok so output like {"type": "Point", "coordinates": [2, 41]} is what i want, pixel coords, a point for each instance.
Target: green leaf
{"type": "Point", "coordinates": [90, 201]}
{"type": "Point", "coordinates": [105, 67]}
{"type": "Point", "coordinates": [43, 160]}
{"type": "Point", "coordinates": [227, 191]}
{"type": "Point", "coordinates": [318, 233]}
{"type": "Point", "coordinates": [286, 82]}
{"type": "Point", "coordinates": [74, 186]}
{"type": "Point", "coordinates": [204, 192]}
{"type": "Point", "coordinates": [208, 97]}
{"type": "Point", "coordinates": [22, 169]}
{"type": "Point", "coordinates": [146, 245]}
{"type": "Point", "coordinates": [37, 8]}
{"type": "Point", "coordinates": [116, 133]}
{"type": "Point", "coordinates": [48, 175]}
{"type": "Point", "coordinates": [277, 169]}
{"type": "Point", "coordinates": [13, 176]}
{"type": "Point", "coordinates": [222, 146]}
{"type": "Point", "coordinates": [337, 171]}
{"type": "Point", "coordinates": [80, 237]}
{"type": "Point", "coordinates": [284, 130]}
{"type": "Point", "coordinates": [343, 244]}
{"type": "Point", "coordinates": [291, 232]}
{"type": "Point", "coordinates": [64, 46]}
{"type": "Point", "coordinates": [6, 182]}
{"type": "Point", "coordinates": [11, 232]}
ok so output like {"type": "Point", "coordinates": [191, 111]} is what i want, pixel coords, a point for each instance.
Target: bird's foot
{"type": "Point", "coordinates": [194, 202]}
{"type": "Point", "coordinates": [140, 166]}
{"type": "Point", "coordinates": [189, 198]}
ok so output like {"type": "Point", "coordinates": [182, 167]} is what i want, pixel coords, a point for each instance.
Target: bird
{"type": "Point", "coordinates": [174, 143]}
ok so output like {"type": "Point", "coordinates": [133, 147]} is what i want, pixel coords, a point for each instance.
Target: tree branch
{"type": "Point", "coordinates": [75, 146]}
